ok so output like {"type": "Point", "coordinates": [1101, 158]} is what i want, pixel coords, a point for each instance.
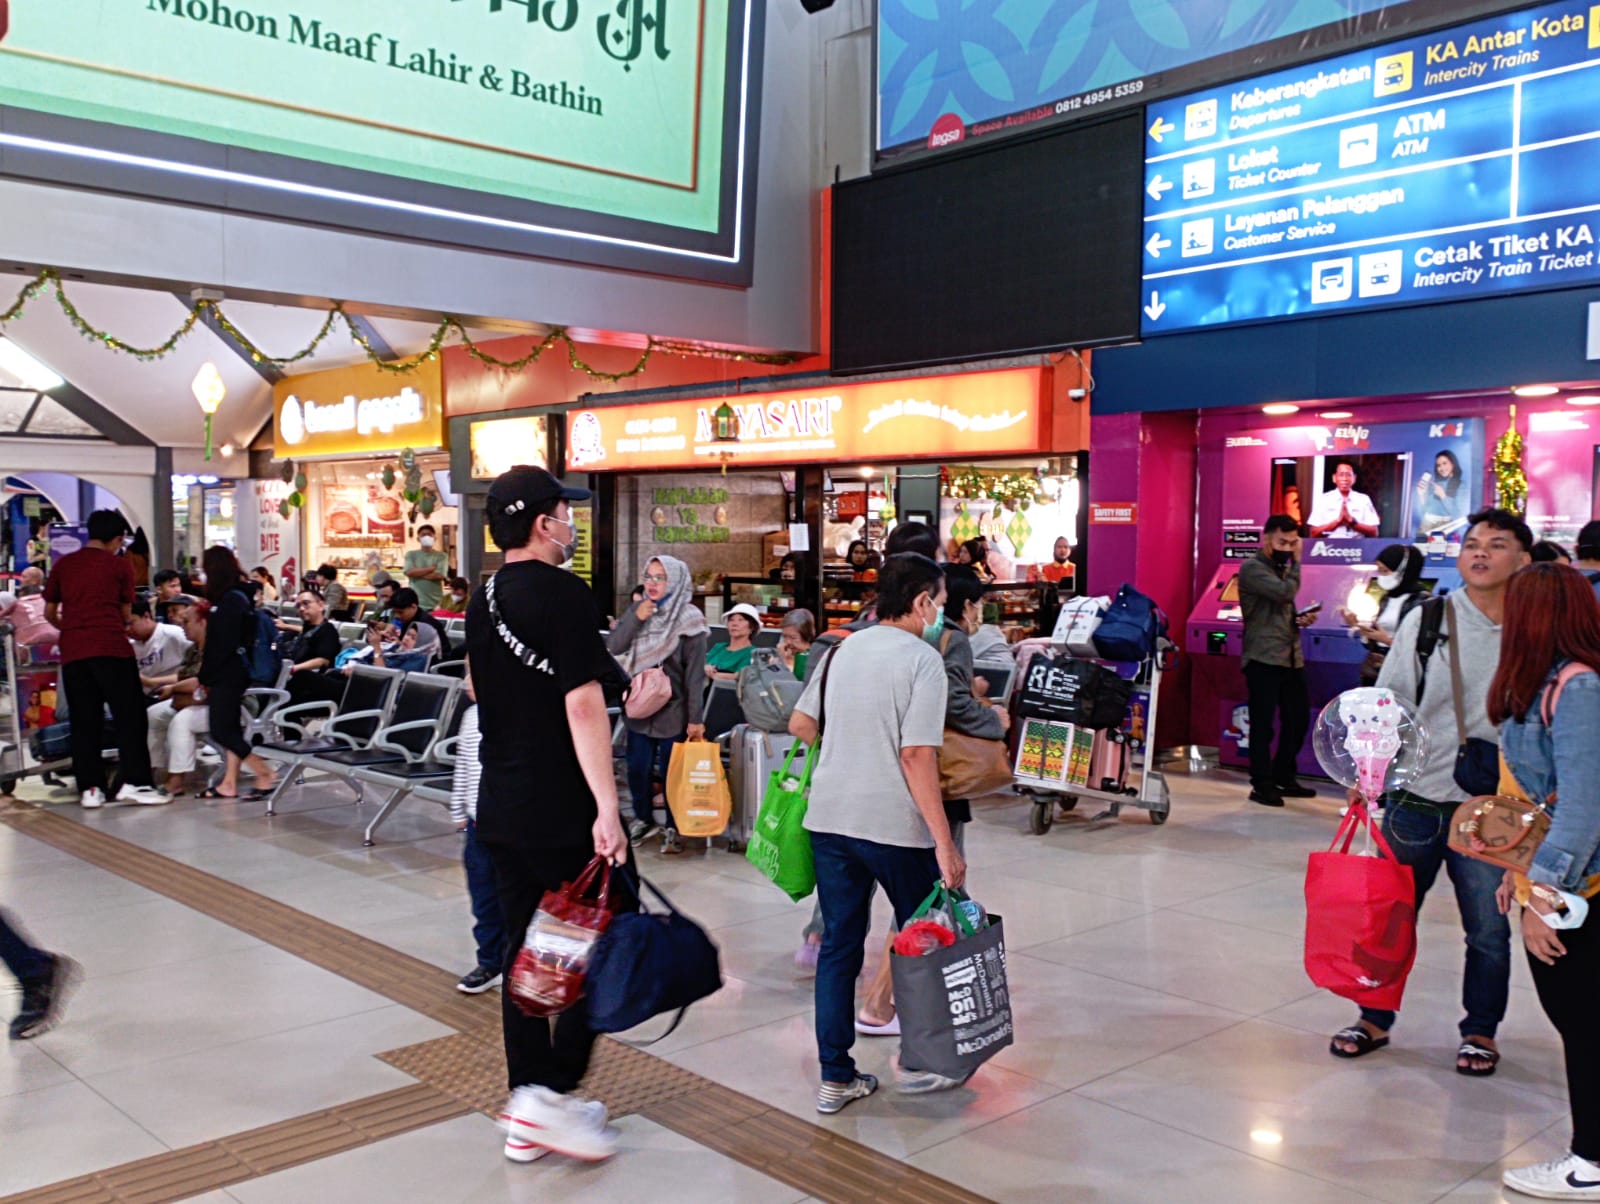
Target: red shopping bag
{"type": "Point", "coordinates": [1361, 918]}
{"type": "Point", "coordinates": [549, 972]}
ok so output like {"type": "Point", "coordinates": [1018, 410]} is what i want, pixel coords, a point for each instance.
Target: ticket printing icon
{"type": "Point", "coordinates": [1200, 120]}
{"type": "Point", "coordinates": [1198, 236]}
{"type": "Point", "coordinates": [1393, 74]}
{"type": "Point", "coordinates": [1199, 178]}
{"type": "Point", "coordinates": [1381, 273]}
{"type": "Point", "coordinates": [1358, 145]}
{"type": "Point", "coordinates": [1330, 280]}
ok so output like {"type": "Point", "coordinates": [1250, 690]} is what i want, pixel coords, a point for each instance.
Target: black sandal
{"type": "Point", "coordinates": [1477, 1053]}
{"type": "Point", "coordinates": [1363, 1041]}
{"type": "Point", "coordinates": [213, 792]}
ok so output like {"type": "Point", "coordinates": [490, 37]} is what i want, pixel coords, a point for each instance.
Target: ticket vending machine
{"type": "Point", "coordinates": [1214, 639]}
{"type": "Point", "coordinates": [1398, 470]}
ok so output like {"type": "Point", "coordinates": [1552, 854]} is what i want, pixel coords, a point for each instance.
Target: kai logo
{"type": "Point", "coordinates": [1447, 430]}
{"type": "Point", "coordinates": [1393, 74]}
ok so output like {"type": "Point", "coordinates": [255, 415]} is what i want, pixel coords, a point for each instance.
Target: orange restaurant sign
{"type": "Point", "coordinates": [971, 414]}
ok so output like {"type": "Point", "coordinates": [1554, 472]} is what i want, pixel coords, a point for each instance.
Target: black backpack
{"type": "Point", "coordinates": [1428, 637]}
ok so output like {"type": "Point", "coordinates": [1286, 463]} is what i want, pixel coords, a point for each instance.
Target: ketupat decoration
{"type": "Point", "coordinates": [1510, 481]}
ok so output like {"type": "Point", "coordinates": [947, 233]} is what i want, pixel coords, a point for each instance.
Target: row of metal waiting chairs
{"type": "Point", "coordinates": [396, 731]}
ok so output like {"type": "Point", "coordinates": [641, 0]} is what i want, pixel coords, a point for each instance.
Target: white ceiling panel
{"type": "Point", "coordinates": [153, 397]}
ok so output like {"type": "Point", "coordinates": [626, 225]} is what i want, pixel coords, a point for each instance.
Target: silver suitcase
{"type": "Point", "coordinates": [754, 756]}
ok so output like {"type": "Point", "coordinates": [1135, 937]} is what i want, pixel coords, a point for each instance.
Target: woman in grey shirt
{"type": "Point", "coordinates": [666, 631]}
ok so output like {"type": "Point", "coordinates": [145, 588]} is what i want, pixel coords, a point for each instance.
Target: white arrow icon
{"type": "Point", "coordinates": [1156, 308]}
{"type": "Point", "coordinates": [1157, 244]}
{"type": "Point", "coordinates": [1158, 187]}
{"type": "Point", "coordinates": [1161, 128]}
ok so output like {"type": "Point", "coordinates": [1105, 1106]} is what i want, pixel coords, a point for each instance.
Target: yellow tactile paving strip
{"type": "Point", "coordinates": [457, 1074]}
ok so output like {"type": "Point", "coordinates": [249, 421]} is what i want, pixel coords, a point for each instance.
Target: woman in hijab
{"type": "Point", "coordinates": [666, 631]}
{"type": "Point", "coordinates": [1400, 580]}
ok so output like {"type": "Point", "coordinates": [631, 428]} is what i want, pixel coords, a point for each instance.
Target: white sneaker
{"type": "Point", "coordinates": [924, 1082]}
{"type": "Point", "coordinates": [92, 798]}
{"type": "Point", "coordinates": [536, 1118]}
{"type": "Point", "coordinates": [143, 796]}
{"type": "Point", "coordinates": [1568, 1178]}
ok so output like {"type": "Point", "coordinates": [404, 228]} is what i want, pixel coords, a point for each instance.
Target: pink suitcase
{"type": "Point", "coordinates": [1108, 763]}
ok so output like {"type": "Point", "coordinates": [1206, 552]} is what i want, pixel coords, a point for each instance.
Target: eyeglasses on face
{"type": "Point", "coordinates": [657, 578]}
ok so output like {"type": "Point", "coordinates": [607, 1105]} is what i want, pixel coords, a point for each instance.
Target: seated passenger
{"type": "Point", "coordinates": [177, 722]}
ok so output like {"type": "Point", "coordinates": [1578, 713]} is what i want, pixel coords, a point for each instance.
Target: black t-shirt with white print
{"type": "Point", "coordinates": [533, 792]}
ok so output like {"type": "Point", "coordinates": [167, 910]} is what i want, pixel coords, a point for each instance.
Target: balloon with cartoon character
{"type": "Point", "coordinates": [1370, 741]}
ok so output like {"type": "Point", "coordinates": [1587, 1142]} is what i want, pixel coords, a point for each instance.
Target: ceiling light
{"type": "Point", "coordinates": [29, 371]}
{"type": "Point", "coordinates": [227, 449]}
{"type": "Point", "coordinates": [1584, 399]}
{"type": "Point", "coordinates": [1280, 408]}
{"type": "Point", "coordinates": [1536, 390]}
{"type": "Point", "coordinates": [866, 472]}
{"type": "Point", "coordinates": [1336, 415]}
{"type": "Point", "coordinates": [1266, 1136]}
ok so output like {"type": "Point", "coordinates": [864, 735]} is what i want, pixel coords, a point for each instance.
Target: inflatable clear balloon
{"type": "Point", "coordinates": [1370, 741]}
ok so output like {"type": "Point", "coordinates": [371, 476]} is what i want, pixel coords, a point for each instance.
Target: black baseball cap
{"type": "Point", "coordinates": [1589, 541]}
{"type": "Point", "coordinates": [526, 486]}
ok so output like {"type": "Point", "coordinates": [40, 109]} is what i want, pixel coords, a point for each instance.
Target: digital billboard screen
{"type": "Point", "coordinates": [596, 130]}
{"type": "Point", "coordinates": [1445, 167]}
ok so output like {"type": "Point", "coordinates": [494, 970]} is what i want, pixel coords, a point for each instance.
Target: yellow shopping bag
{"type": "Point", "coordinates": [697, 790]}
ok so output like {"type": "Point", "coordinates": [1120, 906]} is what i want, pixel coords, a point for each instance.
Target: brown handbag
{"type": "Point", "coordinates": [971, 767]}
{"type": "Point", "coordinates": [1512, 828]}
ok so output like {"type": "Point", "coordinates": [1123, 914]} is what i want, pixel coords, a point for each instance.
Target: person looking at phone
{"type": "Point", "coordinates": [1344, 512]}
{"type": "Point", "coordinates": [1275, 662]}
{"type": "Point", "coordinates": [1416, 820]}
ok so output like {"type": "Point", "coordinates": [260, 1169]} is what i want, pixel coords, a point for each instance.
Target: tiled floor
{"type": "Point", "coordinates": [1169, 1045]}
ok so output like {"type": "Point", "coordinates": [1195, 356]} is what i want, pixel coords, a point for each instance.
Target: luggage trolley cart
{"type": "Point", "coordinates": [24, 677]}
{"type": "Point", "coordinates": [1150, 794]}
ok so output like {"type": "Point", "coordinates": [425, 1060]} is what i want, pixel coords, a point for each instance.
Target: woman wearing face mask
{"type": "Point", "coordinates": [1443, 501]}
{"type": "Point", "coordinates": [1400, 579]}
{"type": "Point", "coordinates": [664, 631]}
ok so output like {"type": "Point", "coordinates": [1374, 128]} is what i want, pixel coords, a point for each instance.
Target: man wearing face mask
{"type": "Point", "coordinates": [547, 798]}
{"type": "Point", "coordinates": [875, 813]}
{"type": "Point", "coordinates": [1275, 662]}
{"type": "Point", "coordinates": [427, 570]}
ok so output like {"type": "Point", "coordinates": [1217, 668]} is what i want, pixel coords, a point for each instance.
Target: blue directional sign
{"type": "Point", "coordinates": [1455, 165]}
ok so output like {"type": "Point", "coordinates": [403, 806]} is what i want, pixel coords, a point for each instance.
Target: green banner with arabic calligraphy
{"type": "Point", "coordinates": [604, 106]}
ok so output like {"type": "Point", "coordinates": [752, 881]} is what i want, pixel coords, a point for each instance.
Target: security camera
{"type": "Point", "coordinates": [1077, 394]}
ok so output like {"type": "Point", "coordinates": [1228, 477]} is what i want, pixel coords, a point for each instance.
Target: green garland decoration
{"type": "Point", "coordinates": [449, 325]}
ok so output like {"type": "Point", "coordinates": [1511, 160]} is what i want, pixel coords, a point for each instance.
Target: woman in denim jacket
{"type": "Point", "coordinates": [1551, 742]}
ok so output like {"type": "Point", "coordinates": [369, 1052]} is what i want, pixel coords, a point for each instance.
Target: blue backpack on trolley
{"type": "Point", "coordinates": [1131, 628]}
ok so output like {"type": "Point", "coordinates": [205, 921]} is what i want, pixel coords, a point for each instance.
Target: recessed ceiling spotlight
{"type": "Point", "coordinates": [1536, 390]}
{"type": "Point", "coordinates": [1280, 408]}
{"type": "Point", "coordinates": [1584, 399]}
{"type": "Point", "coordinates": [1336, 415]}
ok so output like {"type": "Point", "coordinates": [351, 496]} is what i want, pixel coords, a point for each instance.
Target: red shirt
{"type": "Point", "coordinates": [91, 586]}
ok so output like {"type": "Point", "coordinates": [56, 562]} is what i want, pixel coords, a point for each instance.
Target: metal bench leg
{"type": "Point", "coordinates": [286, 779]}
{"type": "Point", "coordinates": [396, 796]}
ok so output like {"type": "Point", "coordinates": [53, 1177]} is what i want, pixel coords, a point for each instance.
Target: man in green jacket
{"type": "Point", "coordinates": [1275, 662]}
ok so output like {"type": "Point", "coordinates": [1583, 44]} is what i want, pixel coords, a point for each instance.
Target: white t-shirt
{"type": "Point", "coordinates": [1327, 507]}
{"type": "Point", "coordinates": [162, 653]}
{"type": "Point", "coordinates": [886, 692]}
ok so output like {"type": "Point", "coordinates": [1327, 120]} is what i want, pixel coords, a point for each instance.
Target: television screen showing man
{"type": "Point", "coordinates": [1344, 512]}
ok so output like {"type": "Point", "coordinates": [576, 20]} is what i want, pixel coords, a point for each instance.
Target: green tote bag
{"type": "Point", "coordinates": [780, 846]}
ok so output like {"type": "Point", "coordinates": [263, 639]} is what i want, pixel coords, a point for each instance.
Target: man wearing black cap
{"type": "Point", "coordinates": [547, 799]}
{"type": "Point", "coordinates": [1588, 561]}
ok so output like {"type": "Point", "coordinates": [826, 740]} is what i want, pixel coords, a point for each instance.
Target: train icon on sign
{"type": "Point", "coordinates": [1331, 280]}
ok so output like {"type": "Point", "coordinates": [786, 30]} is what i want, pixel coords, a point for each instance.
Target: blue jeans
{"type": "Point", "coordinates": [487, 929]}
{"type": "Point", "coordinates": [647, 757]}
{"type": "Point", "coordinates": [27, 964]}
{"type": "Point", "coordinates": [847, 870]}
{"type": "Point", "coordinates": [1420, 839]}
